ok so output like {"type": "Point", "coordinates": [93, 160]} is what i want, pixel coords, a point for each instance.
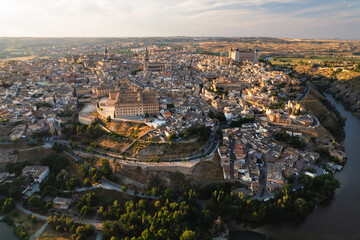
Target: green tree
{"type": "Point", "coordinates": [87, 182]}
{"type": "Point", "coordinates": [105, 167]}
{"type": "Point", "coordinates": [188, 235]}
{"type": "Point", "coordinates": [49, 205]}
{"type": "Point", "coordinates": [157, 204]}
{"type": "Point", "coordinates": [73, 183]}
{"type": "Point", "coordinates": [8, 205]}
{"type": "Point", "coordinates": [55, 163]}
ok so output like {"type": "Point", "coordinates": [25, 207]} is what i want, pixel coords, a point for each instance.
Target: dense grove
{"type": "Point", "coordinates": [13, 189]}
{"type": "Point", "coordinates": [286, 205]}
{"type": "Point", "coordinates": [164, 219]}
{"type": "Point", "coordinates": [161, 219]}
{"type": "Point", "coordinates": [77, 230]}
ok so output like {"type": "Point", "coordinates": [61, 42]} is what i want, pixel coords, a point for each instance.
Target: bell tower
{"type": "Point", "coordinates": [146, 59]}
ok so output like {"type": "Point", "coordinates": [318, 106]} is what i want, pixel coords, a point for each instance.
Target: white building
{"type": "Point", "coordinates": [38, 173]}
{"type": "Point", "coordinates": [234, 54]}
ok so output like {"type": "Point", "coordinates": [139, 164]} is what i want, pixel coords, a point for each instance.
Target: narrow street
{"type": "Point", "coordinates": [232, 157]}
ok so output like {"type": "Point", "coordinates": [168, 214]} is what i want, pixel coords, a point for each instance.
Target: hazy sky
{"type": "Point", "coordinates": [127, 18]}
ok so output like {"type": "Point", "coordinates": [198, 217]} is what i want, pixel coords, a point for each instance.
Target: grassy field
{"type": "Point", "coordinates": [50, 234]}
{"type": "Point", "coordinates": [31, 225]}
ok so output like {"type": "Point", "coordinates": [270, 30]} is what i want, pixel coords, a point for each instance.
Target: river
{"type": "Point", "coordinates": [338, 220]}
{"type": "Point", "coordinates": [7, 232]}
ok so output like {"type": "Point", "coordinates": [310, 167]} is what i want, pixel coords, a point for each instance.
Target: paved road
{"type": "Point", "coordinates": [99, 235]}
{"type": "Point", "coordinates": [43, 217]}
{"type": "Point", "coordinates": [39, 232]}
{"type": "Point", "coordinates": [315, 122]}
{"type": "Point", "coordinates": [21, 208]}
{"type": "Point", "coordinates": [209, 149]}
{"type": "Point", "coordinates": [307, 89]}
{"type": "Point", "coordinates": [108, 185]}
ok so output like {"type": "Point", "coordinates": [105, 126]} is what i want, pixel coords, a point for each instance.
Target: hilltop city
{"type": "Point", "coordinates": [153, 122]}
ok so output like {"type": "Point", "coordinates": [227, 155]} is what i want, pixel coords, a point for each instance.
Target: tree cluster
{"type": "Point", "coordinates": [241, 121]}
{"type": "Point", "coordinates": [154, 220]}
{"type": "Point", "coordinates": [219, 116]}
{"type": "Point", "coordinates": [53, 187]}
{"type": "Point", "coordinates": [58, 147]}
{"type": "Point", "coordinates": [7, 205]}
{"type": "Point", "coordinates": [77, 230]}
{"type": "Point", "coordinates": [54, 162]}
{"type": "Point", "coordinates": [286, 205]}
{"type": "Point", "coordinates": [38, 204]}
{"type": "Point", "coordinates": [87, 203]}
{"type": "Point", "coordinates": [202, 131]}
{"type": "Point", "coordinates": [13, 189]}
{"type": "Point", "coordinates": [17, 167]}
{"type": "Point", "coordinates": [278, 105]}
{"type": "Point", "coordinates": [292, 140]}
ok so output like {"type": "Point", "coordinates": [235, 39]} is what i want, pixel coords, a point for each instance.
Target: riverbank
{"type": "Point", "coordinates": [339, 218]}
{"type": "Point", "coordinates": [7, 232]}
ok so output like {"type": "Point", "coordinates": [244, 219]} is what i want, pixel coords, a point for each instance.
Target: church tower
{"type": "Point", "coordinates": [256, 56]}
{"type": "Point", "coordinates": [230, 52]}
{"type": "Point", "coordinates": [146, 59]}
{"type": "Point", "coordinates": [106, 54]}
{"type": "Point", "coordinates": [234, 54]}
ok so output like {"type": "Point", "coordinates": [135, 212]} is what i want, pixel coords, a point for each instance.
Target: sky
{"type": "Point", "coordinates": [140, 18]}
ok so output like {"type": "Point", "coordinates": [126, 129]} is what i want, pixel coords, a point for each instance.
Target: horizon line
{"type": "Point", "coordinates": [187, 36]}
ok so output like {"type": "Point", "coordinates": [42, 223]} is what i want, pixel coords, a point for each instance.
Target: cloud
{"type": "Point", "coordinates": [112, 18]}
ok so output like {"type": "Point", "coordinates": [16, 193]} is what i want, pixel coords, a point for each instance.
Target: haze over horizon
{"type": "Point", "coordinates": [215, 18]}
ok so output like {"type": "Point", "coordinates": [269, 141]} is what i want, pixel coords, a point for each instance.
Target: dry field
{"type": "Point", "coordinates": [18, 59]}
{"type": "Point", "coordinates": [164, 150]}
{"type": "Point", "coordinates": [4, 132]}
{"type": "Point", "coordinates": [33, 155]}
{"type": "Point", "coordinates": [50, 234]}
{"type": "Point", "coordinates": [117, 146]}
{"type": "Point", "coordinates": [317, 108]}
{"type": "Point", "coordinates": [326, 72]}
{"type": "Point", "coordinates": [209, 170]}
{"type": "Point", "coordinates": [128, 129]}
{"type": "Point", "coordinates": [283, 45]}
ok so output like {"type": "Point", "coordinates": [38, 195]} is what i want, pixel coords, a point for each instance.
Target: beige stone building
{"type": "Point", "coordinates": [152, 66]}
{"type": "Point", "coordinates": [133, 102]}
{"type": "Point", "coordinates": [244, 55]}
